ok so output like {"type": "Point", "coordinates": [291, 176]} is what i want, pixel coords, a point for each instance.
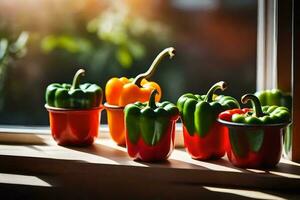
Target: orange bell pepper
{"type": "Point", "coordinates": [122, 91]}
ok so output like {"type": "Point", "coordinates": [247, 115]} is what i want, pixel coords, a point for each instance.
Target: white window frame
{"type": "Point", "coordinates": [267, 44]}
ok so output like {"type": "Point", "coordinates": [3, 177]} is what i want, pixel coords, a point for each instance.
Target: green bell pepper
{"type": "Point", "coordinates": [274, 97]}
{"type": "Point", "coordinates": [199, 112]}
{"type": "Point", "coordinates": [261, 115]}
{"type": "Point", "coordinates": [149, 120]}
{"type": "Point", "coordinates": [82, 96]}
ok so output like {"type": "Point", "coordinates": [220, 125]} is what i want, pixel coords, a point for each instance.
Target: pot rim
{"type": "Point", "coordinates": [55, 109]}
{"type": "Point", "coordinates": [108, 106]}
{"type": "Point", "coordinates": [243, 125]}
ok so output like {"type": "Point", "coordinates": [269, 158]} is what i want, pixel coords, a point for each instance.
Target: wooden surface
{"type": "Point", "coordinates": [105, 167]}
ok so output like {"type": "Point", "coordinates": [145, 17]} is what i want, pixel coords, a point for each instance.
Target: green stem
{"type": "Point", "coordinates": [168, 51]}
{"type": "Point", "coordinates": [255, 104]}
{"type": "Point", "coordinates": [76, 79]}
{"type": "Point", "coordinates": [151, 102]}
{"type": "Point", "coordinates": [217, 86]}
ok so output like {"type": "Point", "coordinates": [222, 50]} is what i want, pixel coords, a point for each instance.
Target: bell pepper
{"type": "Point", "coordinates": [274, 97]}
{"type": "Point", "coordinates": [77, 96]}
{"type": "Point", "coordinates": [278, 98]}
{"type": "Point", "coordinates": [74, 111]}
{"type": "Point", "coordinates": [255, 134]}
{"type": "Point", "coordinates": [259, 115]}
{"type": "Point", "coordinates": [203, 135]}
{"type": "Point", "coordinates": [150, 129]}
{"type": "Point", "coordinates": [122, 91]}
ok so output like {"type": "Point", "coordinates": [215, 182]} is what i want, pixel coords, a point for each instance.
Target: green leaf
{"type": "Point", "coordinates": [3, 48]}
{"type": "Point", "coordinates": [49, 43]}
{"type": "Point", "coordinates": [69, 43]}
{"type": "Point", "coordinates": [19, 47]}
{"type": "Point", "coordinates": [136, 48]}
{"type": "Point", "coordinates": [124, 57]}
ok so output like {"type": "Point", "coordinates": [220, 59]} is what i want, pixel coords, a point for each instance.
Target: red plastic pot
{"type": "Point", "coordinates": [73, 126]}
{"type": "Point", "coordinates": [159, 152]}
{"type": "Point", "coordinates": [254, 146]}
{"type": "Point", "coordinates": [211, 146]}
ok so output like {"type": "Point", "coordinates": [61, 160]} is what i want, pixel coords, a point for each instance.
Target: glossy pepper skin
{"type": "Point", "coordinates": [255, 134]}
{"type": "Point", "coordinates": [261, 115]}
{"type": "Point", "coordinates": [203, 136]}
{"type": "Point", "coordinates": [276, 97]}
{"type": "Point", "coordinates": [150, 129]}
{"type": "Point", "coordinates": [79, 96]}
{"type": "Point", "coordinates": [122, 91]}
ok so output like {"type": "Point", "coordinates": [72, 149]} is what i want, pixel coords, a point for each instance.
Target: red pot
{"type": "Point", "coordinates": [254, 146]}
{"type": "Point", "coordinates": [74, 127]}
{"type": "Point", "coordinates": [159, 152]}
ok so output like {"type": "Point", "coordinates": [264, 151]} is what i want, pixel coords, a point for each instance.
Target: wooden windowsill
{"type": "Point", "coordinates": [104, 166]}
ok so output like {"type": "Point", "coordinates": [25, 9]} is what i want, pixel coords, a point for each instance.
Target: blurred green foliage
{"type": "Point", "coordinates": [67, 42]}
{"type": "Point", "coordinates": [121, 36]}
{"type": "Point", "coordinates": [9, 51]}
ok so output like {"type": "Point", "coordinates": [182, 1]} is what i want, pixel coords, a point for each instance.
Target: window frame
{"type": "Point", "coordinates": [295, 154]}
{"type": "Point", "coordinates": [269, 48]}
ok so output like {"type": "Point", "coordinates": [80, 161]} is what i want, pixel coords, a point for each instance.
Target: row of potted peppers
{"type": "Point", "coordinates": [212, 124]}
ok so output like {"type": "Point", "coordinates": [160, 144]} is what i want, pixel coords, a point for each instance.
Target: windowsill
{"type": "Point", "coordinates": [106, 164]}
{"type": "Point", "coordinates": [27, 135]}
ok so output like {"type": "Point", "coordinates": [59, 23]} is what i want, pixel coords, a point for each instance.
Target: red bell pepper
{"type": "Point", "coordinates": [158, 152]}
{"type": "Point", "coordinates": [204, 137]}
{"type": "Point", "coordinates": [210, 147]}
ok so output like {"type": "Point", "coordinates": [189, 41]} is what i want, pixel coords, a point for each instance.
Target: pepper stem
{"type": "Point", "coordinates": [168, 51]}
{"type": "Point", "coordinates": [222, 85]}
{"type": "Point", "coordinates": [151, 102]}
{"type": "Point", "coordinates": [76, 79]}
{"type": "Point", "coordinates": [255, 104]}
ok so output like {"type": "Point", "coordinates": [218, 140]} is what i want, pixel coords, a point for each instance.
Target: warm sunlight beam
{"type": "Point", "coordinates": [22, 180]}
{"type": "Point", "coordinates": [244, 193]}
{"type": "Point", "coordinates": [183, 156]}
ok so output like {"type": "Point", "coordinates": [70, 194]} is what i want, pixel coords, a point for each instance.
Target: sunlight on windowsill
{"type": "Point", "coordinates": [22, 180]}
{"type": "Point", "coordinates": [245, 193]}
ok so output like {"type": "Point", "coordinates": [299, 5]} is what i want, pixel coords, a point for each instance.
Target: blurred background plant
{"type": "Point", "coordinates": [10, 51]}
{"type": "Point", "coordinates": [215, 40]}
{"type": "Point", "coordinates": [122, 37]}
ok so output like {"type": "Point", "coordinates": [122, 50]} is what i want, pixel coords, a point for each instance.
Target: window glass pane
{"type": "Point", "coordinates": [215, 40]}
